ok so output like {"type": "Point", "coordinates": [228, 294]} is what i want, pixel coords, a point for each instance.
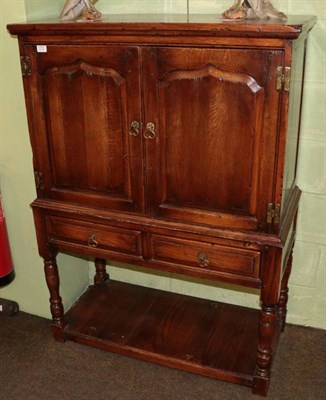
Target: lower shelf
{"type": "Point", "coordinates": [206, 337]}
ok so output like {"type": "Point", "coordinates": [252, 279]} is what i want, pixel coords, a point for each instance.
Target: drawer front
{"type": "Point", "coordinates": [94, 236]}
{"type": "Point", "coordinates": [206, 256]}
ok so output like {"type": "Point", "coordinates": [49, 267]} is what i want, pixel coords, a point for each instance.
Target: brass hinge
{"type": "Point", "coordinates": [273, 213]}
{"type": "Point", "coordinates": [283, 78]}
{"type": "Point", "coordinates": [39, 180]}
{"type": "Point", "coordinates": [25, 63]}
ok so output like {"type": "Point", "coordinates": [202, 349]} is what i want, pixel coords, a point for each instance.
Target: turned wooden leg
{"type": "Point", "coordinates": [100, 276]}
{"type": "Point", "coordinates": [56, 306]}
{"type": "Point", "coordinates": [283, 300]}
{"type": "Point", "coordinates": [267, 324]}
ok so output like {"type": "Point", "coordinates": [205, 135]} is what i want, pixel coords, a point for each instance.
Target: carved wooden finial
{"type": "Point", "coordinates": [253, 9]}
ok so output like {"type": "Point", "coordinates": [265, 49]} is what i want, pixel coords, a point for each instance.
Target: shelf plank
{"type": "Point", "coordinates": [197, 335]}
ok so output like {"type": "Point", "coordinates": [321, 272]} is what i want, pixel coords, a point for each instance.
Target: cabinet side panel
{"type": "Point", "coordinates": [293, 132]}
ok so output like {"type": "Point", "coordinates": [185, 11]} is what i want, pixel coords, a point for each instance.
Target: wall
{"type": "Point", "coordinates": [17, 185]}
{"type": "Point", "coordinates": [307, 304]}
{"type": "Point", "coordinates": [308, 282]}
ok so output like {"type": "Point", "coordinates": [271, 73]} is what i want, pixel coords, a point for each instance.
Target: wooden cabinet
{"type": "Point", "coordinates": [170, 145]}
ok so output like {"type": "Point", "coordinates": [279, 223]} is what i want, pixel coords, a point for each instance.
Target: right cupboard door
{"type": "Point", "coordinates": [211, 124]}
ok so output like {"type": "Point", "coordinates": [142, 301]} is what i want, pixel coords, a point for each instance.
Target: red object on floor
{"type": "Point", "coordinates": [6, 265]}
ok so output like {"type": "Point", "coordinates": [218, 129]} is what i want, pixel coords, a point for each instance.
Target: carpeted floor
{"type": "Point", "coordinates": [34, 366]}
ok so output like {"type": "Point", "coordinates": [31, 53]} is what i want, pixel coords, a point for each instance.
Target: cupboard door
{"type": "Point", "coordinates": [85, 99]}
{"type": "Point", "coordinates": [215, 116]}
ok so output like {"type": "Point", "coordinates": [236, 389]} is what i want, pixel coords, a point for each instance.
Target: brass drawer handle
{"type": "Point", "coordinates": [150, 131]}
{"type": "Point", "coordinates": [134, 128]}
{"type": "Point", "coordinates": [92, 242]}
{"type": "Point", "coordinates": [203, 260]}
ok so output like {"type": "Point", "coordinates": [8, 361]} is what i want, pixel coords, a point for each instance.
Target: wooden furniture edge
{"type": "Point", "coordinates": [114, 217]}
{"type": "Point", "coordinates": [206, 26]}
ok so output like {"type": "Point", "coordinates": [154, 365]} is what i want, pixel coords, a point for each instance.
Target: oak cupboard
{"type": "Point", "coordinates": [171, 143]}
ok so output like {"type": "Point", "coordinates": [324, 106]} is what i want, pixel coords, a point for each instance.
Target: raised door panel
{"type": "Point", "coordinates": [212, 115]}
{"type": "Point", "coordinates": [91, 95]}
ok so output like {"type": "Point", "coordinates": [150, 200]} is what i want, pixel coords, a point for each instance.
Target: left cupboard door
{"type": "Point", "coordinates": [85, 122]}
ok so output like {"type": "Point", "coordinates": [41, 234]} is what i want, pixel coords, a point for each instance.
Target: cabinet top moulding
{"type": "Point", "coordinates": [170, 25]}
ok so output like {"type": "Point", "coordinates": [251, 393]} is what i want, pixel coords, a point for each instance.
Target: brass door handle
{"type": "Point", "coordinates": [92, 242]}
{"type": "Point", "coordinates": [134, 129]}
{"type": "Point", "coordinates": [203, 260]}
{"type": "Point", "coordinates": [150, 131]}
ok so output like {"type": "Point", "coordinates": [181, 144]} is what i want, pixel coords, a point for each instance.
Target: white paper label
{"type": "Point", "coordinates": [41, 49]}
{"type": "Point", "coordinates": [1, 308]}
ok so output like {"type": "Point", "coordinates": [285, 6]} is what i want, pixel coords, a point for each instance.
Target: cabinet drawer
{"type": "Point", "coordinates": [94, 236]}
{"type": "Point", "coordinates": [206, 256]}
